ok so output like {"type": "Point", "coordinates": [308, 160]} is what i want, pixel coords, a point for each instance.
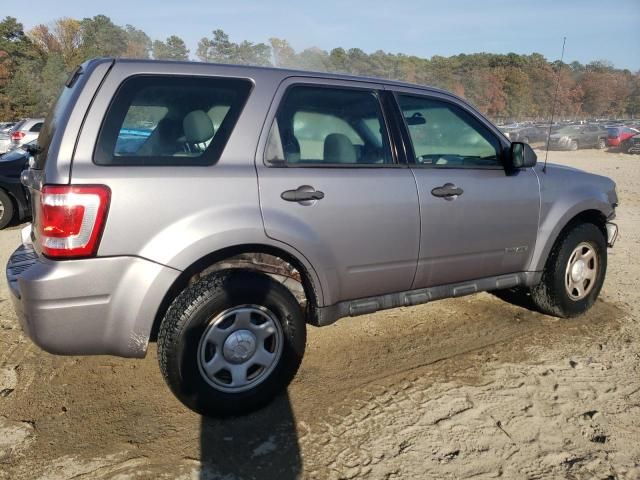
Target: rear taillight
{"type": "Point", "coordinates": [17, 136]}
{"type": "Point", "coordinates": [71, 219]}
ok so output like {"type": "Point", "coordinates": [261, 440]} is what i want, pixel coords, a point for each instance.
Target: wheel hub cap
{"type": "Point", "coordinates": [577, 271]}
{"type": "Point", "coordinates": [582, 271]}
{"type": "Point", "coordinates": [239, 346]}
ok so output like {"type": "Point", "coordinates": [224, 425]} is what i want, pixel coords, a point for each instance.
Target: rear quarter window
{"type": "Point", "coordinates": [161, 120]}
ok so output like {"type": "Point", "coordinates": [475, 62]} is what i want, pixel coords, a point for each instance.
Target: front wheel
{"type": "Point", "coordinates": [574, 273]}
{"type": "Point", "coordinates": [573, 146]}
{"type": "Point", "coordinates": [230, 342]}
{"type": "Point", "coordinates": [602, 144]}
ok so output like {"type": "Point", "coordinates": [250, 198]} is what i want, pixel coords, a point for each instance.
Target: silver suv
{"type": "Point", "coordinates": [221, 209]}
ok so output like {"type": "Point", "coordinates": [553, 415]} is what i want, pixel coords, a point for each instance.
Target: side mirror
{"type": "Point", "coordinates": [521, 155]}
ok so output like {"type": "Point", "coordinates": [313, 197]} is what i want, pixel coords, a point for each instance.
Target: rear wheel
{"type": "Point", "coordinates": [230, 342]}
{"type": "Point", "coordinates": [573, 146]}
{"type": "Point", "coordinates": [6, 209]}
{"type": "Point", "coordinates": [602, 144]}
{"type": "Point", "coordinates": [574, 273]}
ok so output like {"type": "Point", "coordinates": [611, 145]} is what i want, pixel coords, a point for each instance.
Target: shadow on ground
{"type": "Point", "coordinates": [261, 445]}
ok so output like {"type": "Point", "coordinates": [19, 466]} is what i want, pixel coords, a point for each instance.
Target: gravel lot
{"type": "Point", "coordinates": [465, 388]}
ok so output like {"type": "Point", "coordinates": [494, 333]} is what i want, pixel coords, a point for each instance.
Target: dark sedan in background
{"type": "Point", "coordinates": [573, 137]}
{"type": "Point", "coordinates": [14, 198]}
{"type": "Point", "coordinates": [527, 134]}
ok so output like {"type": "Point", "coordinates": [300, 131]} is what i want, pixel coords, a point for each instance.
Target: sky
{"type": "Point", "coordinates": [595, 30]}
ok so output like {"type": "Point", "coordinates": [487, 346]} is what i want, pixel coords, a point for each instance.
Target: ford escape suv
{"type": "Point", "coordinates": [221, 209]}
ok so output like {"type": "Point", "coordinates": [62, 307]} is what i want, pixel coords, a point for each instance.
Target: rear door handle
{"type": "Point", "coordinates": [304, 193]}
{"type": "Point", "coordinates": [448, 191]}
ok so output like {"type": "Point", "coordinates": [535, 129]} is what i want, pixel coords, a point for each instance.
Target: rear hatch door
{"type": "Point", "coordinates": [57, 139]}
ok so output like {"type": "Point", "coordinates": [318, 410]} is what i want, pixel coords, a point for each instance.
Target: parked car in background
{"type": "Point", "coordinates": [14, 197]}
{"type": "Point", "coordinates": [527, 134]}
{"type": "Point", "coordinates": [5, 127]}
{"type": "Point", "coordinates": [633, 144]}
{"type": "Point", "coordinates": [25, 131]}
{"type": "Point", "coordinates": [617, 136]}
{"type": "Point", "coordinates": [5, 142]}
{"type": "Point", "coordinates": [573, 137]}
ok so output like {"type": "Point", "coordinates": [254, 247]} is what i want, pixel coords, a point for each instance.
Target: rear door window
{"type": "Point", "coordinates": [327, 126]}
{"type": "Point", "coordinates": [156, 120]}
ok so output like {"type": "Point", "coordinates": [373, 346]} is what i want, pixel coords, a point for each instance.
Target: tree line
{"type": "Point", "coordinates": [34, 65]}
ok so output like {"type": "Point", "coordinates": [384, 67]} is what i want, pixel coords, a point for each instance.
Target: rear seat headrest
{"type": "Point", "coordinates": [198, 127]}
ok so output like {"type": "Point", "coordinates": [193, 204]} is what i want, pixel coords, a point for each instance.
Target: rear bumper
{"type": "Point", "coordinates": [90, 306]}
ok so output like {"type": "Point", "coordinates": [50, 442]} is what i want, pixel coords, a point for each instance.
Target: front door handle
{"type": "Point", "coordinates": [304, 193]}
{"type": "Point", "coordinates": [448, 191]}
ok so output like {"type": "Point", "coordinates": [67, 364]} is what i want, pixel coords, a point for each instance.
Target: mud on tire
{"type": "Point", "coordinates": [189, 322]}
{"type": "Point", "coordinates": [551, 295]}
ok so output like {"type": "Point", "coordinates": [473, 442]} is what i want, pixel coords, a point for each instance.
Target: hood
{"type": "Point", "coordinates": [12, 163]}
{"type": "Point", "coordinates": [562, 178]}
{"type": "Point", "coordinates": [13, 155]}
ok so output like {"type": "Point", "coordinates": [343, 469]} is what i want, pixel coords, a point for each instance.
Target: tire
{"type": "Point", "coordinates": [573, 146]}
{"type": "Point", "coordinates": [602, 144]}
{"type": "Point", "coordinates": [552, 295]}
{"type": "Point", "coordinates": [625, 146]}
{"type": "Point", "coordinates": [205, 329]}
{"type": "Point", "coordinates": [6, 209]}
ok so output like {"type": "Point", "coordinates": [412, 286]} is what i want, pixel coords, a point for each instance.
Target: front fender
{"type": "Point", "coordinates": [560, 204]}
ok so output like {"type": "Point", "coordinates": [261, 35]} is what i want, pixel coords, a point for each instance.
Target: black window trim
{"type": "Point", "coordinates": [37, 124]}
{"type": "Point", "coordinates": [408, 142]}
{"type": "Point", "coordinates": [378, 93]}
{"type": "Point", "coordinates": [170, 161]}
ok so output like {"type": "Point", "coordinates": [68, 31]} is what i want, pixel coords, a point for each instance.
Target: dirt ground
{"type": "Point", "coordinates": [466, 388]}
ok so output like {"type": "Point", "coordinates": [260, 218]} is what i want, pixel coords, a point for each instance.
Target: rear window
{"type": "Point", "coordinates": [18, 126]}
{"type": "Point", "coordinates": [156, 120]}
{"type": "Point", "coordinates": [50, 125]}
{"type": "Point", "coordinates": [612, 132]}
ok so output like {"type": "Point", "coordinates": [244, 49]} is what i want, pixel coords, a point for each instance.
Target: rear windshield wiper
{"type": "Point", "coordinates": [33, 150]}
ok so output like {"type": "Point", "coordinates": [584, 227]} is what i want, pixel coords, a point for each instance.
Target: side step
{"type": "Point", "coordinates": [352, 308]}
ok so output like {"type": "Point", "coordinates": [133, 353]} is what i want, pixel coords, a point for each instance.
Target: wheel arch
{"type": "Point", "coordinates": [20, 206]}
{"type": "Point", "coordinates": [209, 262]}
{"type": "Point", "coordinates": [592, 215]}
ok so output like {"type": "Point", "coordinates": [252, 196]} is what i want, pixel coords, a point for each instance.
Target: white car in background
{"type": "Point", "coordinates": [25, 131]}
{"type": "Point", "coordinates": [5, 142]}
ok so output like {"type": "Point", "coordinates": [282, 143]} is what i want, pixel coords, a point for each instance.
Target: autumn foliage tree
{"type": "Point", "coordinates": [34, 64]}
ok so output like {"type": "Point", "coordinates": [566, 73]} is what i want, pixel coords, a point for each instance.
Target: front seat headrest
{"type": "Point", "coordinates": [198, 127]}
{"type": "Point", "coordinates": [339, 149]}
